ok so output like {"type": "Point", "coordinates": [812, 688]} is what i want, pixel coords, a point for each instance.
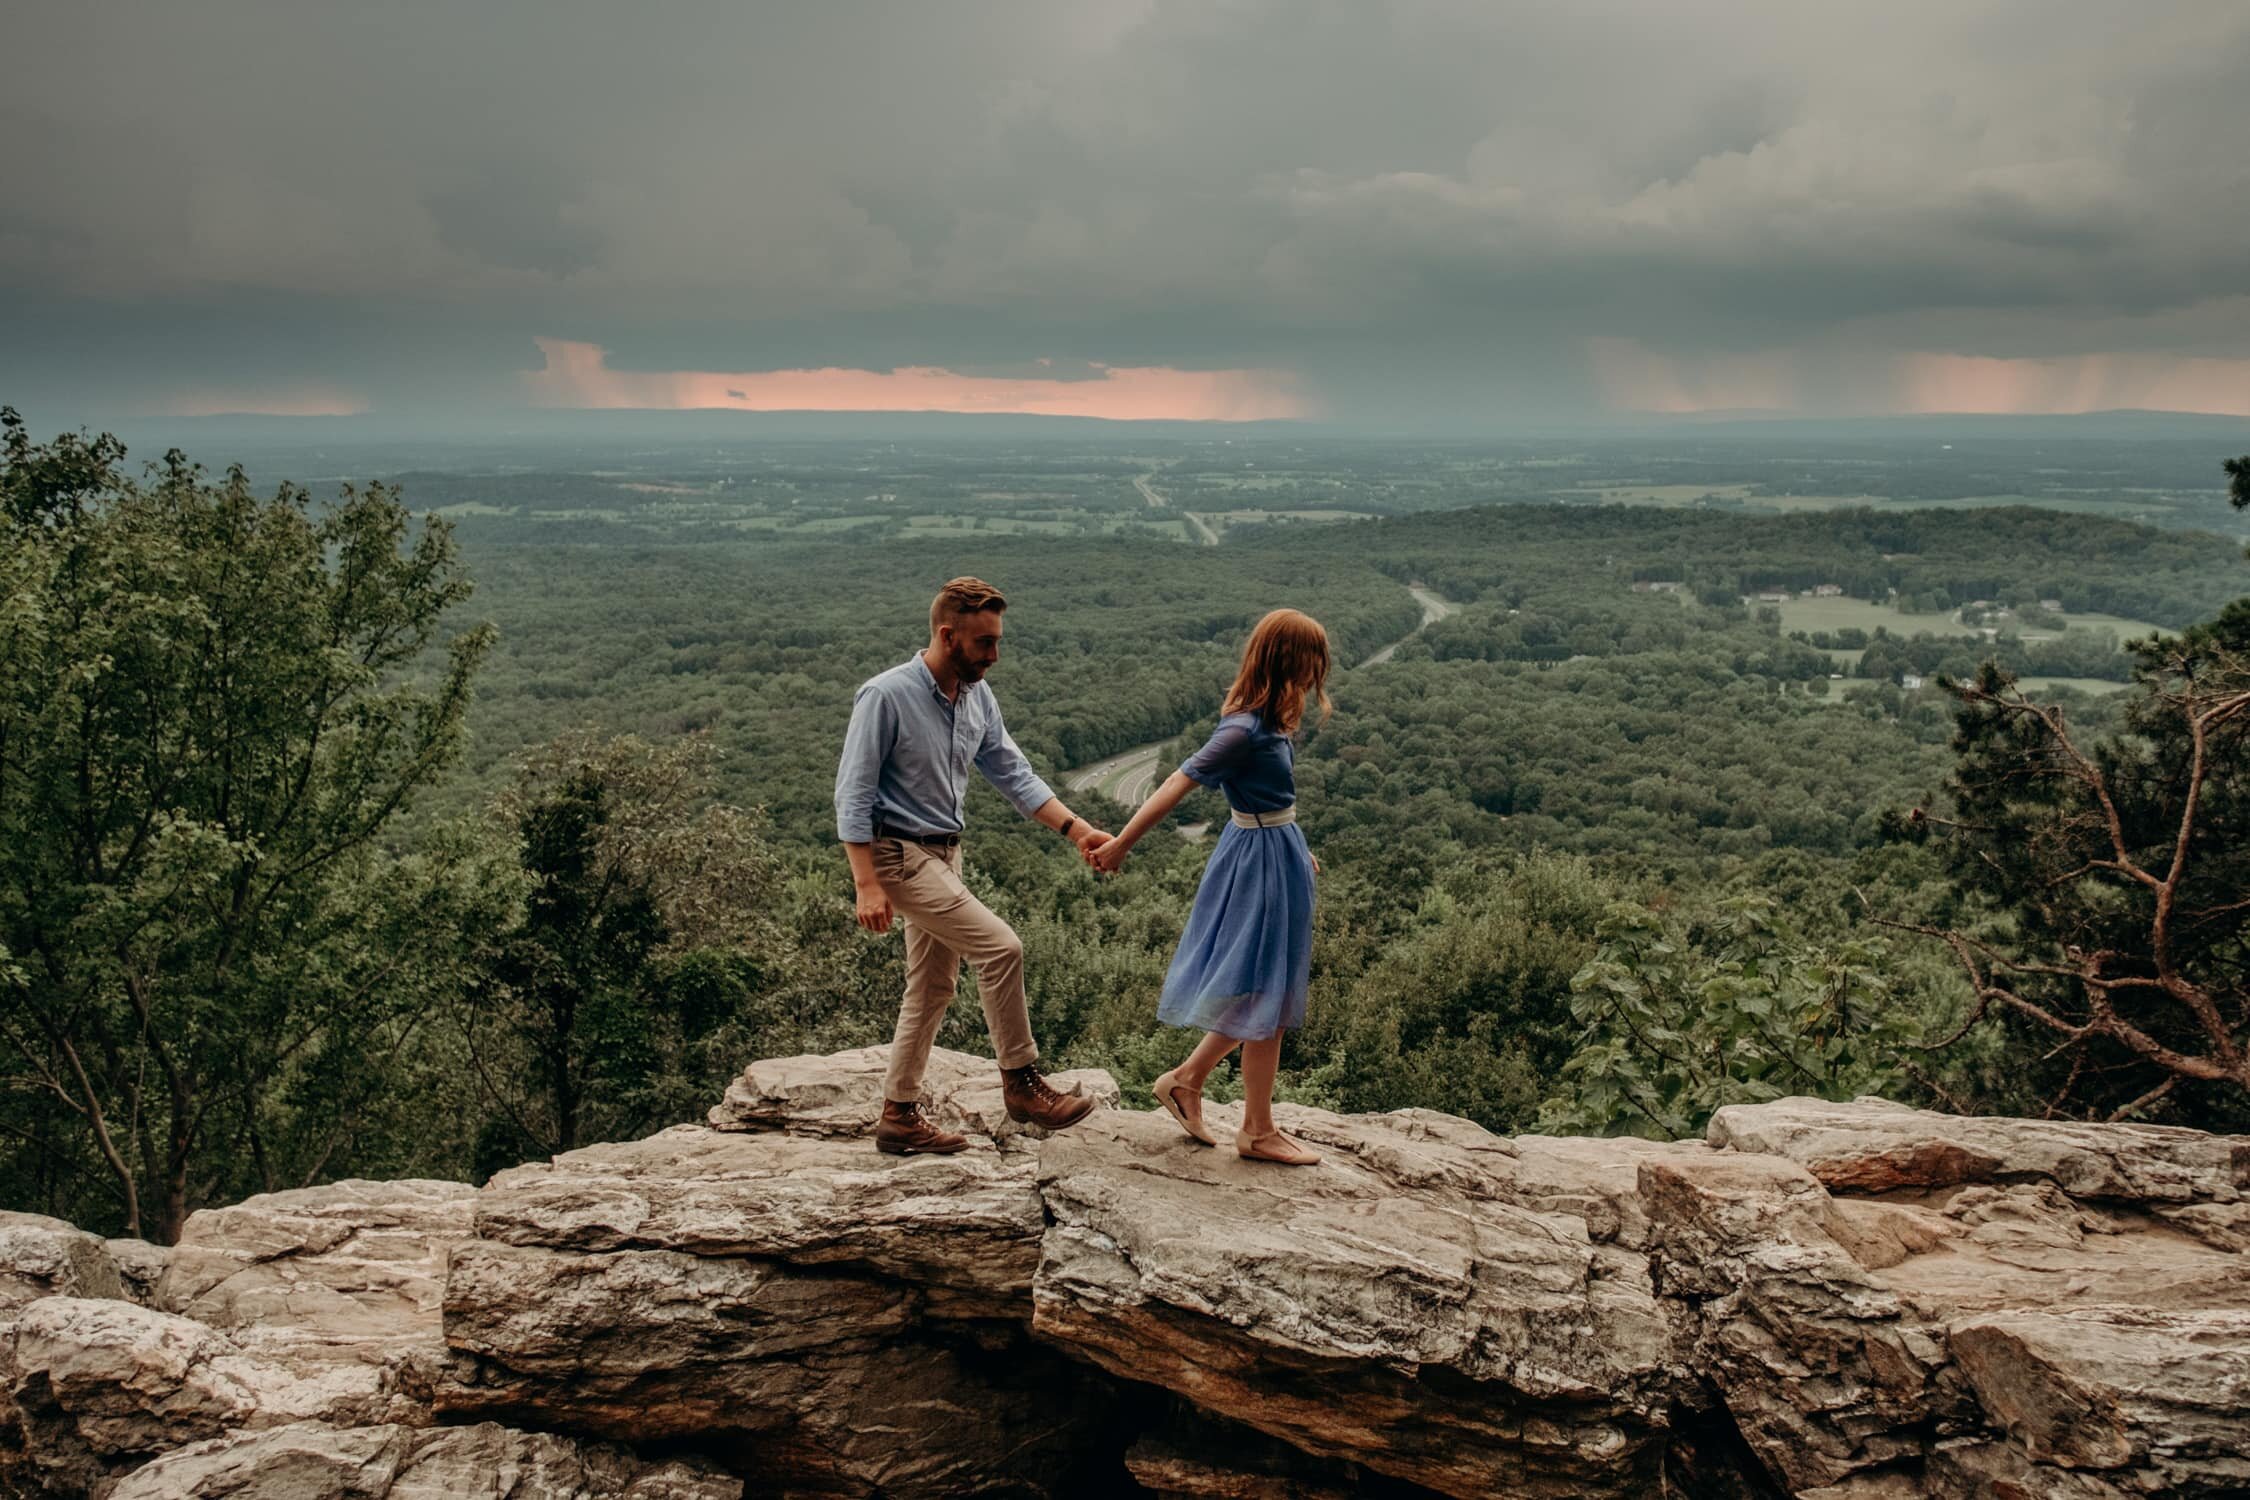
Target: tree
{"type": "Point", "coordinates": [211, 706]}
{"type": "Point", "coordinates": [1682, 1017]}
{"type": "Point", "coordinates": [2112, 872]}
{"type": "Point", "coordinates": [647, 931]}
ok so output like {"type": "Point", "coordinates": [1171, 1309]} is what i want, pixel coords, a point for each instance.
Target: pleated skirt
{"type": "Point", "coordinates": [1245, 960]}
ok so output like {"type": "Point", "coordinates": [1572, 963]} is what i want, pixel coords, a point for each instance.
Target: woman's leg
{"type": "Point", "coordinates": [1260, 1061]}
{"type": "Point", "coordinates": [1208, 1054]}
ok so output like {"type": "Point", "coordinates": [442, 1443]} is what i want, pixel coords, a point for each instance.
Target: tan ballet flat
{"type": "Point", "coordinates": [1167, 1089]}
{"type": "Point", "coordinates": [1276, 1147]}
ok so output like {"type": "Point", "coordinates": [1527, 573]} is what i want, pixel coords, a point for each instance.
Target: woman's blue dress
{"type": "Point", "coordinates": [1246, 957]}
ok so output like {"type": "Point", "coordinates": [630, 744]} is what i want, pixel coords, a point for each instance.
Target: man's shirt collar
{"type": "Point", "coordinates": [929, 680]}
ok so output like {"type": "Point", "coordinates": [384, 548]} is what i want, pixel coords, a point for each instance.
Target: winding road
{"type": "Point", "coordinates": [1128, 777]}
{"type": "Point", "coordinates": [1157, 502]}
{"type": "Point", "coordinates": [1434, 609]}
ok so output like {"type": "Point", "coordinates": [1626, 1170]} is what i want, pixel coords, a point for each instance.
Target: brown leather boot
{"type": "Point", "coordinates": [903, 1132]}
{"type": "Point", "coordinates": [1032, 1101]}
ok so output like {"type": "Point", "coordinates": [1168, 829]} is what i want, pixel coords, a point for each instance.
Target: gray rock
{"type": "Point", "coordinates": [102, 1385]}
{"type": "Point", "coordinates": [2158, 1399]}
{"type": "Point", "coordinates": [313, 1461]}
{"type": "Point", "coordinates": [140, 1266]}
{"type": "Point", "coordinates": [1963, 1338]}
{"type": "Point", "coordinates": [343, 1283]}
{"type": "Point", "coordinates": [819, 1380]}
{"type": "Point", "coordinates": [1805, 1346]}
{"type": "Point", "coordinates": [1874, 1146]}
{"type": "Point", "coordinates": [1387, 1308]}
{"type": "Point", "coordinates": [43, 1257]}
{"type": "Point", "coordinates": [1853, 1302]}
{"type": "Point", "coordinates": [841, 1094]}
{"type": "Point", "coordinates": [968, 1223]}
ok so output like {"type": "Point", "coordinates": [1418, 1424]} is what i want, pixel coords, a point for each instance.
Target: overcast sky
{"type": "Point", "coordinates": [1474, 212]}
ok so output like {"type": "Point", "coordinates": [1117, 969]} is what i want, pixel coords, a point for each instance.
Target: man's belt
{"type": "Point", "coordinates": [931, 840]}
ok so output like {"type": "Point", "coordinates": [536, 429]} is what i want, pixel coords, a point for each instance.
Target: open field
{"type": "Point", "coordinates": [2125, 629]}
{"type": "Point", "coordinates": [1662, 494]}
{"type": "Point", "coordinates": [1841, 613]}
{"type": "Point", "coordinates": [1232, 517]}
{"type": "Point", "coordinates": [2096, 686]}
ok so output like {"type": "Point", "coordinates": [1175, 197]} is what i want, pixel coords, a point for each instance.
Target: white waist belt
{"type": "Point", "coordinates": [1280, 819]}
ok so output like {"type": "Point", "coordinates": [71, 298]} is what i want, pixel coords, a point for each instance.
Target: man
{"type": "Point", "coordinates": [914, 732]}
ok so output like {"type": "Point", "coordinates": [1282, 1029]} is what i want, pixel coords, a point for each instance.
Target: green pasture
{"type": "Point", "coordinates": [2094, 686]}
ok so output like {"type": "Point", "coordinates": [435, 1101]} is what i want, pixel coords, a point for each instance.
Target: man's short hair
{"type": "Point", "coordinates": [964, 596]}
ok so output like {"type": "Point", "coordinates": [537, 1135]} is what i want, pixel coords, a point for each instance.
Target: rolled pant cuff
{"type": "Point", "coordinates": [1024, 1059]}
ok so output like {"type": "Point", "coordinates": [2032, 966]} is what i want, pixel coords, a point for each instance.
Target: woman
{"type": "Point", "coordinates": [1243, 963]}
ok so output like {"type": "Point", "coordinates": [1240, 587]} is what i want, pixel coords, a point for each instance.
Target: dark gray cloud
{"type": "Point", "coordinates": [1418, 206]}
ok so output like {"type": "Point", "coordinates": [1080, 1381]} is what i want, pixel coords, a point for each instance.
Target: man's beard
{"type": "Point", "coordinates": [964, 668]}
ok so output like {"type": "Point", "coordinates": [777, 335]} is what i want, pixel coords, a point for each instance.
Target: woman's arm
{"type": "Point", "coordinates": [1110, 857]}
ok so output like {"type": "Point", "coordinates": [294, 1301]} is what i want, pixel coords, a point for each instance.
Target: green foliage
{"type": "Point", "coordinates": [252, 930]}
{"type": "Point", "coordinates": [1682, 1017]}
{"type": "Point", "coordinates": [203, 733]}
{"type": "Point", "coordinates": [619, 996]}
{"type": "Point", "coordinates": [2107, 874]}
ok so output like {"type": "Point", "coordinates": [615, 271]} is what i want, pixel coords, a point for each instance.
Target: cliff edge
{"type": "Point", "coordinates": [1827, 1300]}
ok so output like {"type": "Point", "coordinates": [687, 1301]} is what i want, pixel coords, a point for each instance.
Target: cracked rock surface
{"type": "Point", "coordinates": [1853, 1301]}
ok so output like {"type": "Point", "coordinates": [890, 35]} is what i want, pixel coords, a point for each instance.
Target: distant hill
{"type": "Point", "coordinates": [2091, 426]}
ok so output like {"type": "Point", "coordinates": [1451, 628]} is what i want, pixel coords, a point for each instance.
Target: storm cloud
{"type": "Point", "coordinates": [1473, 210]}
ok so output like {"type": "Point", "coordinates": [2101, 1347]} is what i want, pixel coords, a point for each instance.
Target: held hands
{"type": "Point", "coordinates": [1108, 856]}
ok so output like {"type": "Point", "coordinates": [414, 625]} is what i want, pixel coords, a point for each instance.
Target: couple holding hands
{"type": "Point", "coordinates": [1241, 970]}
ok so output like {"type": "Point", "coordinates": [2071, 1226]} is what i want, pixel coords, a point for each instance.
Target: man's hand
{"type": "Point", "coordinates": [873, 905]}
{"type": "Point", "coordinates": [1109, 858]}
{"type": "Point", "coordinates": [1088, 839]}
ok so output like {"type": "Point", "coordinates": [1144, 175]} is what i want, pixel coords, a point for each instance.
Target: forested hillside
{"type": "Point", "coordinates": [1618, 840]}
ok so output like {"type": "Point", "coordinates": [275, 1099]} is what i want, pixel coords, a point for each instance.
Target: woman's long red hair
{"type": "Point", "coordinates": [1284, 662]}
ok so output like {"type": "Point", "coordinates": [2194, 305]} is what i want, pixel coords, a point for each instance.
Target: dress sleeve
{"type": "Point", "coordinates": [1220, 754]}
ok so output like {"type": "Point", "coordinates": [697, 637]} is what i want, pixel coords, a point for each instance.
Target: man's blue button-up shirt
{"type": "Point", "coordinates": [908, 751]}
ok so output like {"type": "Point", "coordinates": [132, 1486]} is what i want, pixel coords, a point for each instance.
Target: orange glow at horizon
{"type": "Point", "coordinates": [1633, 377]}
{"type": "Point", "coordinates": [296, 401]}
{"type": "Point", "coordinates": [2087, 382]}
{"type": "Point", "coordinates": [578, 375]}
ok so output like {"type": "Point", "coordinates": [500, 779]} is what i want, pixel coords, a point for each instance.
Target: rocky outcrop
{"type": "Point", "coordinates": [1403, 1307]}
{"type": "Point", "coordinates": [312, 1461]}
{"type": "Point", "coordinates": [320, 1304]}
{"type": "Point", "coordinates": [1874, 1146]}
{"type": "Point", "coordinates": [1832, 1300]}
{"type": "Point", "coordinates": [847, 1323]}
{"type": "Point", "coordinates": [43, 1257]}
{"type": "Point", "coordinates": [1965, 1305]}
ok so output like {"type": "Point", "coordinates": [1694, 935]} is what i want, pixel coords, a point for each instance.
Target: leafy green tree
{"type": "Point", "coordinates": [211, 706]}
{"type": "Point", "coordinates": [1680, 1018]}
{"type": "Point", "coordinates": [647, 941]}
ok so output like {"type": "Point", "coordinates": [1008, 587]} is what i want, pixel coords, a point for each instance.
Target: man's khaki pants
{"type": "Point", "coordinates": [945, 924]}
